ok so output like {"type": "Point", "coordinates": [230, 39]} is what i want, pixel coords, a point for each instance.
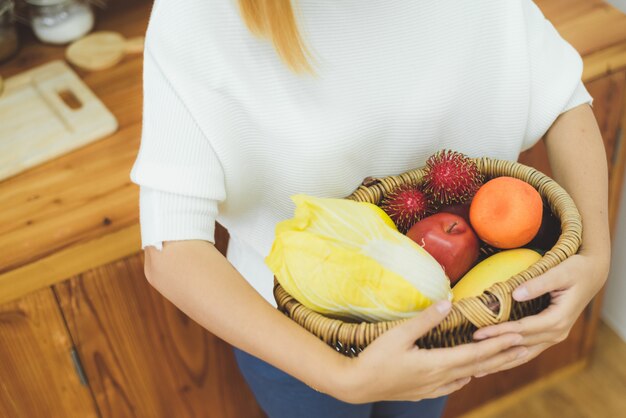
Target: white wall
{"type": "Point", "coordinates": [614, 310]}
{"type": "Point", "coordinates": [620, 4]}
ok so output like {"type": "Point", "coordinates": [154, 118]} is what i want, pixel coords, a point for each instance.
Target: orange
{"type": "Point", "coordinates": [506, 212]}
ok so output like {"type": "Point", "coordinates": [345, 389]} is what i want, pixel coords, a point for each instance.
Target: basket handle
{"type": "Point", "coordinates": [480, 314]}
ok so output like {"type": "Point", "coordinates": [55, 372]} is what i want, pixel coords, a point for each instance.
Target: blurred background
{"type": "Point", "coordinates": [82, 333]}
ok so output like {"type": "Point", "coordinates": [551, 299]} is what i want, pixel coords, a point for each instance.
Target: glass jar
{"type": "Point", "coordinates": [60, 21]}
{"type": "Point", "coordinates": [8, 35]}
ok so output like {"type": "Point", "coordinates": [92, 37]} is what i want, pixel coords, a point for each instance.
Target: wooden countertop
{"type": "Point", "coordinates": [81, 210]}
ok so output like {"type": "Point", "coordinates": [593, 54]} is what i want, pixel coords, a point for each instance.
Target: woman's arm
{"type": "Point", "coordinates": [197, 278]}
{"type": "Point", "coordinates": [578, 160]}
{"type": "Point", "coordinates": [194, 276]}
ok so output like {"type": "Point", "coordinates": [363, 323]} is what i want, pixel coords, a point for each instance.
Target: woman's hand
{"type": "Point", "coordinates": [394, 368]}
{"type": "Point", "coordinates": [571, 284]}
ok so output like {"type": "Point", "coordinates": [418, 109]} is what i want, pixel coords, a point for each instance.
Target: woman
{"type": "Point", "coordinates": [248, 102]}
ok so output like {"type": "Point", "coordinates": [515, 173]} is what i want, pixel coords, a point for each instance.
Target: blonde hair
{"type": "Point", "coordinates": [275, 20]}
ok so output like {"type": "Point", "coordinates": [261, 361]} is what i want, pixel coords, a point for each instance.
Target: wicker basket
{"type": "Point", "coordinates": [495, 305]}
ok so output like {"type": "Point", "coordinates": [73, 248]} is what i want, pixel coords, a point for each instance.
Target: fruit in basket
{"type": "Point", "coordinates": [451, 177]}
{"type": "Point", "coordinates": [460, 209]}
{"type": "Point", "coordinates": [506, 212]}
{"type": "Point", "coordinates": [343, 258]}
{"type": "Point", "coordinates": [497, 268]}
{"type": "Point", "coordinates": [549, 231]}
{"type": "Point", "coordinates": [406, 205]}
{"type": "Point", "coordinates": [449, 239]}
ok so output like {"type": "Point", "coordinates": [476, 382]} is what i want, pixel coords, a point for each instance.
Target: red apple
{"type": "Point", "coordinates": [450, 240]}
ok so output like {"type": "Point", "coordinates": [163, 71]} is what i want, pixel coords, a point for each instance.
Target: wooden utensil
{"type": "Point", "coordinates": [101, 50]}
{"type": "Point", "coordinates": [46, 112]}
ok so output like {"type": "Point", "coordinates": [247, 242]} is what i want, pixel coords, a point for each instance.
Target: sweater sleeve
{"type": "Point", "coordinates": [555, 75]}
{"type": "Point", "coordinates": [180, 176]}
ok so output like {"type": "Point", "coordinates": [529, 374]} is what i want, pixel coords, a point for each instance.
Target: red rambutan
{"type": "Point", "coordinates": [451, 177]}
{"type": "Point", "coordinates": [406, 205]}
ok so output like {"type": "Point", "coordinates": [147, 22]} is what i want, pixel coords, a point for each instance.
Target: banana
{"type": "Point", "coordinates": [497, 268]}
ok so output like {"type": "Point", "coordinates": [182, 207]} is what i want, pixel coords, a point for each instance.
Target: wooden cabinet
{"type": "Point", "coordinates": [141, 355]}
{"type": "Point", "coordinates": [38, 377]}
{"type": "Point", "coordinates": [138, 354]}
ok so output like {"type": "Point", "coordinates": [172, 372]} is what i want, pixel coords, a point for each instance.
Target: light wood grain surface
{"type": "Point", "coordinates": [46, 112]}
{"type": "Point", "coordinates": [596, 392]}
{"type": "Point", "coordinates": [82, 196]}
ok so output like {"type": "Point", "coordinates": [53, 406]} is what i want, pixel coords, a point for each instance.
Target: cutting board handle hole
{"type": "Point", "coordinates": [70, 99]}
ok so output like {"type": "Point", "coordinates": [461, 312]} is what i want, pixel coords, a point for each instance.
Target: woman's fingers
{"type": "Point", "coordinates": [550, 338]}
{"type": "Point", "coordinates": [419, 325]}
{"type": "Point", "coordinates": [533, 352]}
{"type": "Point", "coordinates": [546, 321]}
{"type": "Point", "coordinates": [433, 392]}
{"type": "Point", "coordinates": [495, 363]}
{"type": "Point", "coordinates": [547, 282]}
{"type": "Point", "coordinates": [461, 376]}
{"type": "Point", "coordinates": [472, 353]}
{"type": "Point", "coordinates": [448, 388]}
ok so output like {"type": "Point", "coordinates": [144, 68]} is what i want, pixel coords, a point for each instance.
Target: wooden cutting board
{"type": "Point", "coordinates": [46, 112]}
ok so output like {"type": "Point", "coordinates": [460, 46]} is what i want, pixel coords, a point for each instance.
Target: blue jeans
{"type": "Point", "coordinates": [282, 396]}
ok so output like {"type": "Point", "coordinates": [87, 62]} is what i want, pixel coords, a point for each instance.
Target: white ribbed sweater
{"type": "Point", "coordinates": [229, 133]}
